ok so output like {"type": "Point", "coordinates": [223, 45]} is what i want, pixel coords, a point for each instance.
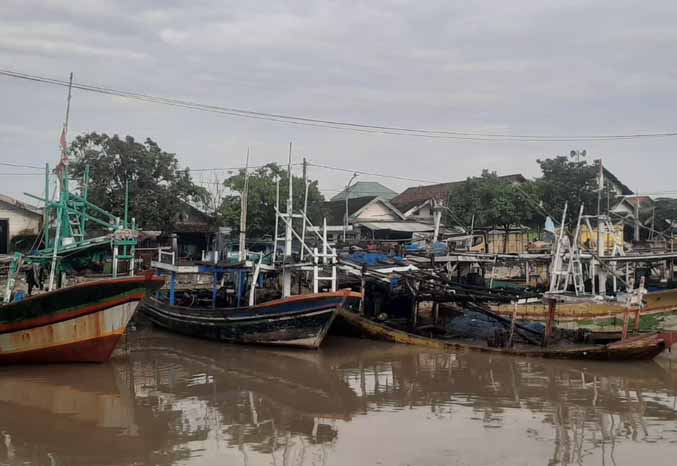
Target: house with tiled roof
{"type": "Point", "coordinates": [416, 203]}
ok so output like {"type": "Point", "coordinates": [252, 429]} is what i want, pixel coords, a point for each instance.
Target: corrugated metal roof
{"type": "Point", "coordinates": [20, 205]}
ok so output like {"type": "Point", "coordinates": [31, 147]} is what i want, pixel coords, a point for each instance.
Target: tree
{"type": "Point", "coordinates": [666, 214]}
{"type": "Point", "coordinates": [156, 185]}
{"type": "Point", "coordinates": [495, 203]}
{"type": "Point", "coordinates": [567, 180]}
{"type": "Point", "coordinates": [261, 199]}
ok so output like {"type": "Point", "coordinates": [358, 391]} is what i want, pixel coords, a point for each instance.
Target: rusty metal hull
{"type": "Point", "coordinates": [82, 323]}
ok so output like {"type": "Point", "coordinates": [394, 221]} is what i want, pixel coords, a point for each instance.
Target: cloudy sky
{"type": "Point", "coordinates": [542, 67]}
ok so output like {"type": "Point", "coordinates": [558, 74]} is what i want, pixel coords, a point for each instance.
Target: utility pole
{"type": "Point", "coordinates": [305, 171]}
{"type": "Point", "coordinates": [345, 219]}
{"type": "Point", "coordinates": [636, 232]}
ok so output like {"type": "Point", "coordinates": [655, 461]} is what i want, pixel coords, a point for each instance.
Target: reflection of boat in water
{"type": "Point", "coordinates": [253, 399]}
{"type": "Point", "coordinates": [586, 405]}
{"type": "Point", "coordinates": [181, 400]}
{"type": "Point", "coordinates": [45, 417]}
{"type": "Point", "coordinates": [287, 378]}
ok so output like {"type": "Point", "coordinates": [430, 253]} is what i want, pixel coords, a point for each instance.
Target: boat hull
{"type": "Point", "coordinates": [82, 323]}
{"type": "Point", "coordinates": [637, 348]}
{"type": "Point", "coordinates": [300, 321]}
{"type": "Point", "coordinates": [598, 316]}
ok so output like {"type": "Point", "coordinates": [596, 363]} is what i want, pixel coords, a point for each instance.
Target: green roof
{"type": "Point", "coordinates": [366, 189]}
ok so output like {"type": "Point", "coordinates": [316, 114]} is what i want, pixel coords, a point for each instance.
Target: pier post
{"type": "Point", "coordinates": [512, 323]}
{"type": "Point", "coordinates": [363, 287]}
{"type": "Point", "coordinates": [215, 283]}
{"type": "Point", "coordinates": [637, 320]}
{"type": "Point", "coordinates": [172, 289]}
{"type": "Point", "coordinates": [626, 323]}
{"type": "Point", "coordinates": [552, 307]}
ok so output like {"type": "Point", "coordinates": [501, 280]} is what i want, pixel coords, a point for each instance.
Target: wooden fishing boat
{"type": "Point", "coordinates": [294, 319]}
{"type": "Point", "coordinates": [597, 313]}
{"type": "Point", "coordinates": [80, 323]}
{"type": "Point", "coordinates": [642, 347]}
{"type": "Point", "coordinates": [71, 321]}
{"type": "Point", "coordinates": [300, 321]}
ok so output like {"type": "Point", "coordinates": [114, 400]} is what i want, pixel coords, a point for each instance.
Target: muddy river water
{"type": "Point", "coordinates": [169, 400]}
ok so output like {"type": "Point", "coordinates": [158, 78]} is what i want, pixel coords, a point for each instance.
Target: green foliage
{"type": "Point", "coordinates": [567, 180]}
{"type": "Point", "coordinates": [156, 185]}
{"type": "Point", "coordinates": [495, 202]}
{"type": "Point", "coordinates": [666, 213]}
{"type": "Point", "coordinates": [261, 199]}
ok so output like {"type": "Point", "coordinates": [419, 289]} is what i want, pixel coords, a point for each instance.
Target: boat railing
{"type": "Point", "coordinates": [164, 252]}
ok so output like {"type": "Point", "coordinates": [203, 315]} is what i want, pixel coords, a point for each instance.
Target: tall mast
{"type": "Point", "coordinates": [62, 224]}
{"type": "Point", "coordinates": [243, 211]}
{"type": "Point", "coordinates": [63, 162]}
{"type": "Point", "coordinates": [305, 205]}
{"type": "Point", "coordinates": [286, 274]}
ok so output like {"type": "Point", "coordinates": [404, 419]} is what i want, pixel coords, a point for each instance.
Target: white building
{"type": "Point", "coordinates": [17, 219]}
{"type": "Point", "coordinates": [369, 217]}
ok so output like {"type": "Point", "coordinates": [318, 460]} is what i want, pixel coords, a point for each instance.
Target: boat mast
{"type": "Point", "coordinates": [305, 206]}
{"type": "Point", "coordinates": [286, 271]}
{"type": "Point", "coordinates": [62, 175]}
{"type": "Point", "coordinates": [243, 212]}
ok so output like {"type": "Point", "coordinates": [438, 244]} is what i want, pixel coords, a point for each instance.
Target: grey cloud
{"type": "Point", "coordinates": [548, 67]}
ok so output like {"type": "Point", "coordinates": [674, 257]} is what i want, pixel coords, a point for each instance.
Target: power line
{"type": "Point", "coordinates": [333, 124]}
{"type": "Point", "coordinates": [251, 167]}
{"type": "Point", "coordinates": [360, 172]}
{"type": "Point", "coordinates": [18, 165]}
{"type": "Point", "coordinates": [21, 174]}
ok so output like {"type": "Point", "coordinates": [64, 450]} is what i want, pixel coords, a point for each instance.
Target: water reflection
{"type": "Point", "coordinates": [173, 400]}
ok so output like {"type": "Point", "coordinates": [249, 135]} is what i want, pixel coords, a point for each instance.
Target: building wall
{"type": "Point", "coordinates": [20, 221]}
{"type": "Point", "coordinates": [424, 213]}
{"type": "Point", "coordinates": [378, 212]}
{"type": "Point", "coordinates": [518, 242]}
{"type": "Point", "coordinates": [588, 239]}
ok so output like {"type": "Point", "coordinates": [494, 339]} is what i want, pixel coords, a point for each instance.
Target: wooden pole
{"type": "Point", "coordinates": [637, 321]}
{"type": "Point", "coordinates": [363, 287]}
{"type": "Point", "coordinates": [626, 322]}
{"type": "Point", "coordinates": [552, 308]}
{"type": "Point", "coordinates": [512, 323]}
